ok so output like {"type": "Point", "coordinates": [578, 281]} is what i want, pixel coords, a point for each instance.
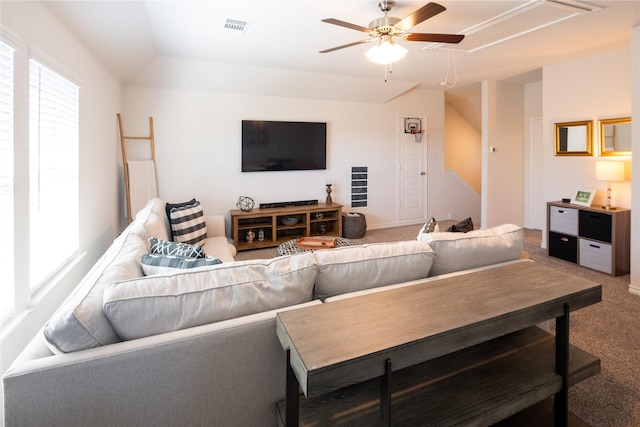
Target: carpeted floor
{"type": "Point", "coordinates": [607, 330]}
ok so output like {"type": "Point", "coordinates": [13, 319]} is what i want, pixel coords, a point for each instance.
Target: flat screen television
{"type": "Point", "coordinates": [283, 146]}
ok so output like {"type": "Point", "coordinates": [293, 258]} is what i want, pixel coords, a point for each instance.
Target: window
{"type": "Point", "coordinates": [6, 178]}
{"type": "Point", "coordinates": [53, 171]}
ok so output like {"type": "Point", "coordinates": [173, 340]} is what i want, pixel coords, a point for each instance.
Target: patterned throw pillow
{"type": "Point", "coordinates": [431, 225]}
{"type": "Point", "coordinates": [159, 246]}
{"type": "Point", "coordinates": [187, 224]}
{"type": "Point", "coordinates": [170, 206]}
{"type": "Point", "coordinates": [162, 264]}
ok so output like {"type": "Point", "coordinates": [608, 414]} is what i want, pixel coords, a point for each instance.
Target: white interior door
{"type": "Point", "coordinates": [412, 176]}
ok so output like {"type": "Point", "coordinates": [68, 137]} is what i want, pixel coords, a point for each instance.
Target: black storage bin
{"type": "Point", "coordinates": [563, 246]}
{"type": "Point", "coordinates": [354, 225]}
{"type": "Point", "coordinates": [595, 226]}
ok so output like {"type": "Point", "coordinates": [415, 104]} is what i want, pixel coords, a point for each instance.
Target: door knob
{"type": "Point", "coordinates": [423, 173]}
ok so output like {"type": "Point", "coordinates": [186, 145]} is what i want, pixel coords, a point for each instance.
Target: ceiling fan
{"type": "Point", "coordinates": [385, 29]}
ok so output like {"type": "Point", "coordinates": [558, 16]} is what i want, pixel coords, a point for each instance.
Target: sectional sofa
{"type": "Point", "coordinates": [197, 346]}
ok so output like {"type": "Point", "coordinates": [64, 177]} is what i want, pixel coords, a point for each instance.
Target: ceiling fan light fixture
{"type": "Point", "coordinates": [386, 52]}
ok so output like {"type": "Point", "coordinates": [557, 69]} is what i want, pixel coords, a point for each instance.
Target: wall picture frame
{"type": "Point", "coordinates": [583, 196]}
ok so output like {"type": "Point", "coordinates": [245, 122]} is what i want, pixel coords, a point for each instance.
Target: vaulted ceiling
{"type": "Point", "coordinates": [185, 43]}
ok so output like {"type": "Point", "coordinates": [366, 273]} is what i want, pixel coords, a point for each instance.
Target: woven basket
{"type": "Point", "coordinates": [354, 225]}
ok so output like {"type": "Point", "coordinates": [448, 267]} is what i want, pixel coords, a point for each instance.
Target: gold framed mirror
{"type": "Point", "coordinates": [574, 138]}
{"type": "Point", "coordinates": [615, 137]}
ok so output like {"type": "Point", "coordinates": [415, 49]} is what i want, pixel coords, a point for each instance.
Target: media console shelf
{"type": "Point", "coordinates": [312, 220]}
{"type": "Point", "coordinates": [592, 237]}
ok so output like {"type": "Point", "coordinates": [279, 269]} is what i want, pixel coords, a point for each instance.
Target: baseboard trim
{"type": "Point", "coordinates": [634, 290]}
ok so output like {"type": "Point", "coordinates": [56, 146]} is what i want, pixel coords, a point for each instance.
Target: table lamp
{"type": "Point", "coordinates": [609, 171]}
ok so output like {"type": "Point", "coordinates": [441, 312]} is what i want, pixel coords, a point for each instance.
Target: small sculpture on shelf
{"type": "Point", "coordinates": [245, 204]}
{"type": "Point", "coordinates": [250, 236]}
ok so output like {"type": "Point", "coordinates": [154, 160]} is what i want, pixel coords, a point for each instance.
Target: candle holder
{"type": "Point", "coordinates": [329, 199]}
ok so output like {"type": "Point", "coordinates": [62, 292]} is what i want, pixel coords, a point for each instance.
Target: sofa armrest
{"type": "Point", "coordinates": [215, 225]}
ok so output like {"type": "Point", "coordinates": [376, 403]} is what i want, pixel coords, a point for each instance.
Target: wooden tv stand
{"type": "Point", "coordinates": [313, 220]}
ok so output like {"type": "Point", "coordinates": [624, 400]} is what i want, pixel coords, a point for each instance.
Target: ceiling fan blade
{"type": "Point", "coordinates": [346, 25]}
{"type": "Point", "coordinates": [436, 38]}
{"type": "Point", "coordinates": [425, 12]}
{"type": "Point", "coordinates": [345, 45]}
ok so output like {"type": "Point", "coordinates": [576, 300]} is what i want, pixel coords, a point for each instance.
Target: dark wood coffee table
{"type": "Point", "coordinates": [487, 315]}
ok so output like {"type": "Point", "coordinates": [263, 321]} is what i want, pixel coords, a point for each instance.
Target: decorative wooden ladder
{"type": "Point", "coordinates": [123, 139]}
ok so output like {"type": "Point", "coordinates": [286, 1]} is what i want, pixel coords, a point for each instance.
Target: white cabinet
{"type": "Point", "coordinates": [592, 237]}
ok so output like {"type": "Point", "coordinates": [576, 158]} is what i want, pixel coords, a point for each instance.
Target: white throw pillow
{"type": "Point", "coordinates": [158, 304]}
{"type": "Point", "coordinates": [477, 248]}
{"type": "Point", "coordinates": [354, 268]}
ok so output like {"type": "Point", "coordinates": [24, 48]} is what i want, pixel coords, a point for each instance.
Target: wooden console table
{"type": "Point", "coordinates": [456, 351]}
{"type": "Point", "coordinates": [312, 220]}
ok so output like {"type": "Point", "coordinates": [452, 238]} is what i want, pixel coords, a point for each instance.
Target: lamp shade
{"type": "Point", "coordinates": [609, 171]}
{"type": "Point", "coordinates": [386, 52]}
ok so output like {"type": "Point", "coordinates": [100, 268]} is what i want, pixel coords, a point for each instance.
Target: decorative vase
{"type": "Point", "coordinates": [329, 199]}
{"type": "Point", "coordinates": [250, 236]}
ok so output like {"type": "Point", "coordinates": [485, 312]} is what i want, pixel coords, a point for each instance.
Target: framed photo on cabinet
{"type": "Point", "coordinates": [583, 196]}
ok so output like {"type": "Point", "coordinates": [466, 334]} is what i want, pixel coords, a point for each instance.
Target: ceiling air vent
{"type": "Point", "coordinates": [235, 25]}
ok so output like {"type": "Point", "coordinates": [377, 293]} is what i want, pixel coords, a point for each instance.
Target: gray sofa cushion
{"type": "Point", "coordinates": [151, 221]}
{"type": "Point", "coordinates": [461, 251]}
{"type": "Point", "coordinates": [353, 268]}
{"type": "Point", "coordinates": [157, 304]}
{"type": "Point", "coordinates": [80, 323]}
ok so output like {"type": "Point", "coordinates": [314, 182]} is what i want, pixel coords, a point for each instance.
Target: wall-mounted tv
{"type": "Point", "coordinates": [283, 146]}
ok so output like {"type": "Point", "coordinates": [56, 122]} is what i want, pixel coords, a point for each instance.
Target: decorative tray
{"type": "Point", "coordinates": [316, 243]}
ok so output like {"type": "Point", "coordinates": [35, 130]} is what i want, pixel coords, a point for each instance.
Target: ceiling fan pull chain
{"type": "Point", "coordinates": [455, 70]}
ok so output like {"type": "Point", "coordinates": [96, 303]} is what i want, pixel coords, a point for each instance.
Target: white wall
{"type": "Point", "coordinates": [588, 88]}
{"type": "Point", "coordinates": [28, 25]}
{"type": "Point", "coordinates": [463, 148]}
{"type": "Point", "coordinates": [634, 286]}
{"type": "Point", "coordinates": [503, 169]}
{"type": "Point", "coordinates": [198, 140]}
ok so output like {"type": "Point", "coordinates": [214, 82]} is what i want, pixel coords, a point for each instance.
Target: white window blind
{"type": "Point", "coordinates": [53, 171]}
{"type": "Point", "coordinates": [6, 178]}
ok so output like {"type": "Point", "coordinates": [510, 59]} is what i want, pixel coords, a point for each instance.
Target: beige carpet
{"type": "Point", "coordinates": [608, 330]}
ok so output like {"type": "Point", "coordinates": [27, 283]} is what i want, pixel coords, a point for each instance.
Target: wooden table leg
{"type": "Point", "coordinates": [561, 398]}
{"type": "Point", "coordinates": [292, 396]}
{"type": "Point", "coordinates": [385, 395]}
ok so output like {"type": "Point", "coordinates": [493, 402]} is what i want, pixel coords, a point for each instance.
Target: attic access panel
{"type": "Point", "coordinates": [517, 21]}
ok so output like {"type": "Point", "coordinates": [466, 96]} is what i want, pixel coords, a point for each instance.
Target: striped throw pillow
{"type": "Point", "coordinates": [164, 264]}
{"type": "Point", "coordinates": [187, 224]}
{"type": "Point", "coordinates": [170, 206]}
